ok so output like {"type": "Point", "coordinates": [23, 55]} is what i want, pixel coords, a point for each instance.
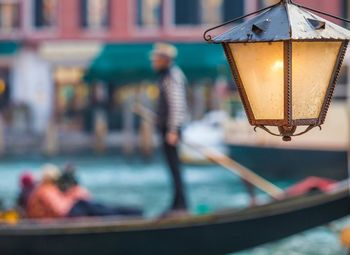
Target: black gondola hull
{"type": "Point", "coordinates": [217, 234]}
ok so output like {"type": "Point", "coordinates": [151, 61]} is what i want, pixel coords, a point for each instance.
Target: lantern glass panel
{"type": "Point", "coordinates": [261, 69]}
{"type": "Point", "coordinates": [313, 66]}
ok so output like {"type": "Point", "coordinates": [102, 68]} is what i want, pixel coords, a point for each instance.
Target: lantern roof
{"type": "Point", "coordinates": [284, 21]}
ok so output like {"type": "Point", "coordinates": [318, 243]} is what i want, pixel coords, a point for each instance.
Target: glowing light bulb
{"type": "Point", "coordinates": [278, 65]}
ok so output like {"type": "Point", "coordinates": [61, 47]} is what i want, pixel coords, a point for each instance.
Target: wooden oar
{"type": "Point", "coordinates": [224, 161]}
{"type": "Point", "coordinates": [243, 172]}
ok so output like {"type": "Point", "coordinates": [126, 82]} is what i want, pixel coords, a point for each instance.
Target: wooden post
{"type": "Point", "coordinates": [128, 126]}
{"type": "Point", "coordinates": [146, 131]}
{"type": "Point", "coordinates": [51, 142]}
{"type": "Point", "coordinates": [220, 92]}
{"type": "Point", "coordinates": [2, 137]}
{"type": "Point", "coordinates": [100, 131]}
{"type": "Point", "coordinates": [199, 101]}
{"type": "Point", "coordinates": [146, 138]}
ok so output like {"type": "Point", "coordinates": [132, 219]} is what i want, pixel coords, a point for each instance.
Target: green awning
{"type": "Point", "coordinates": [127, 63]}
{"type": "Point", "coordinates": [8, 47]}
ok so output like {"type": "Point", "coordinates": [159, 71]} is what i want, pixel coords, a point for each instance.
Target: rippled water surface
{"type": "Point", "coordinates": [133, 182]}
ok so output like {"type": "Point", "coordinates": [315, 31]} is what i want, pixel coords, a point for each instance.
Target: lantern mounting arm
{"type": "Point", "coordinates": [208, 38]}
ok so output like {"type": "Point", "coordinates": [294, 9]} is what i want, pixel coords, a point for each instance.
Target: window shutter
{"type": "Point", "coordinates": [38, 13]}
{"type": "Point", "coordinates": [187, 12]}
{"type": "Point", "coordinates": [107, 19]}
{"type": "Point", "coordinates": [83, 14]}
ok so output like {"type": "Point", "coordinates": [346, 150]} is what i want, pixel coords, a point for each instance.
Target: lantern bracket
{"type": "Point", "coordinates": [286, 132]}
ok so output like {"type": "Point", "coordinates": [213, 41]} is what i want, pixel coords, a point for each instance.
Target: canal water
{"type": "Point", "coordinates": [121, 181]}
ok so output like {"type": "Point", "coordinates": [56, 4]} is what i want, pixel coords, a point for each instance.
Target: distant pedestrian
{"type": "Point", "coordinates": [171, 114]}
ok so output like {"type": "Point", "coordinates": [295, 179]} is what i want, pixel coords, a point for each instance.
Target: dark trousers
{"type": "Point", "coordinates": [173, 162]}
{"type": "Point", "coordinates": [88, 208]}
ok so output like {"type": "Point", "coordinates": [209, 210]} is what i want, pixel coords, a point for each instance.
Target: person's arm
{"type": "Point", "coordinates": [78, 193]}
{"type": "Point", "coordinates": [57, 202]}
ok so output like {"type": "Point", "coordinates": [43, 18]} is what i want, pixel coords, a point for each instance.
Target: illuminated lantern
{"type": "Point", "coordinates": [285, 62]}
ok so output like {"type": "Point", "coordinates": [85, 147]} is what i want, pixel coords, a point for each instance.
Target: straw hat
{"type": "Point", "coordinates": [50, 172]}
{"type": "Point", "coordinates": [164, 49]}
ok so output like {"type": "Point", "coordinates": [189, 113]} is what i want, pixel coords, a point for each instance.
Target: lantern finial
{"type": "Point", "coordinates": [287, 132]}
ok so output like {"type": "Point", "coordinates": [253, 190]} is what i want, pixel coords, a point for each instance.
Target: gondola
{"type": "Point", "coordinates": [219, 233]}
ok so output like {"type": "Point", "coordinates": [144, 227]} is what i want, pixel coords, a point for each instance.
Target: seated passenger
{"type": "Point", "coordinates": [47, 201]}
{"type": "Point", "coordinates": [84, 205]}
{"type": "Point", "coordinates": [68, 183]}
{"type": "Point", "coordinates": [27, 183]}
{"type": "Point", "coordinates": [68, 177]}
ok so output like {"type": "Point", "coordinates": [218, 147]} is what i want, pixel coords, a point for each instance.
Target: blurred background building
{"type": "Point", "coordinates": [66, 64]}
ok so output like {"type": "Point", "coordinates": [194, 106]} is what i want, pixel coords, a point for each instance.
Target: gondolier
{"type": "Point", "coordinates": [171, 114]}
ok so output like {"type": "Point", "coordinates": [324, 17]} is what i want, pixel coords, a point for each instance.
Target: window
{"type": "Point", "coordinates": [149, 13]}
{"type": "Point", "coordinates": [197, 12]}
{"type": "Point", "coordinates": [95, 14]}
{"type": "Point", "coordinates": [233, 9]}
{"type": "Point", "coordinates": [45, 13]}
{"type": "Point", "coordinates": [187, 12]}
{"type": "Point", "coordinates": [9, 16]}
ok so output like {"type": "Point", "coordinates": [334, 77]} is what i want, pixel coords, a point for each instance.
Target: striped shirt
{"type": "Point", "coordinates": [172, 107]}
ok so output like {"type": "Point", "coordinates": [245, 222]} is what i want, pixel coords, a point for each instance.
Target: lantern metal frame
{"type": "Point", "coordinates": [286, 126]}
